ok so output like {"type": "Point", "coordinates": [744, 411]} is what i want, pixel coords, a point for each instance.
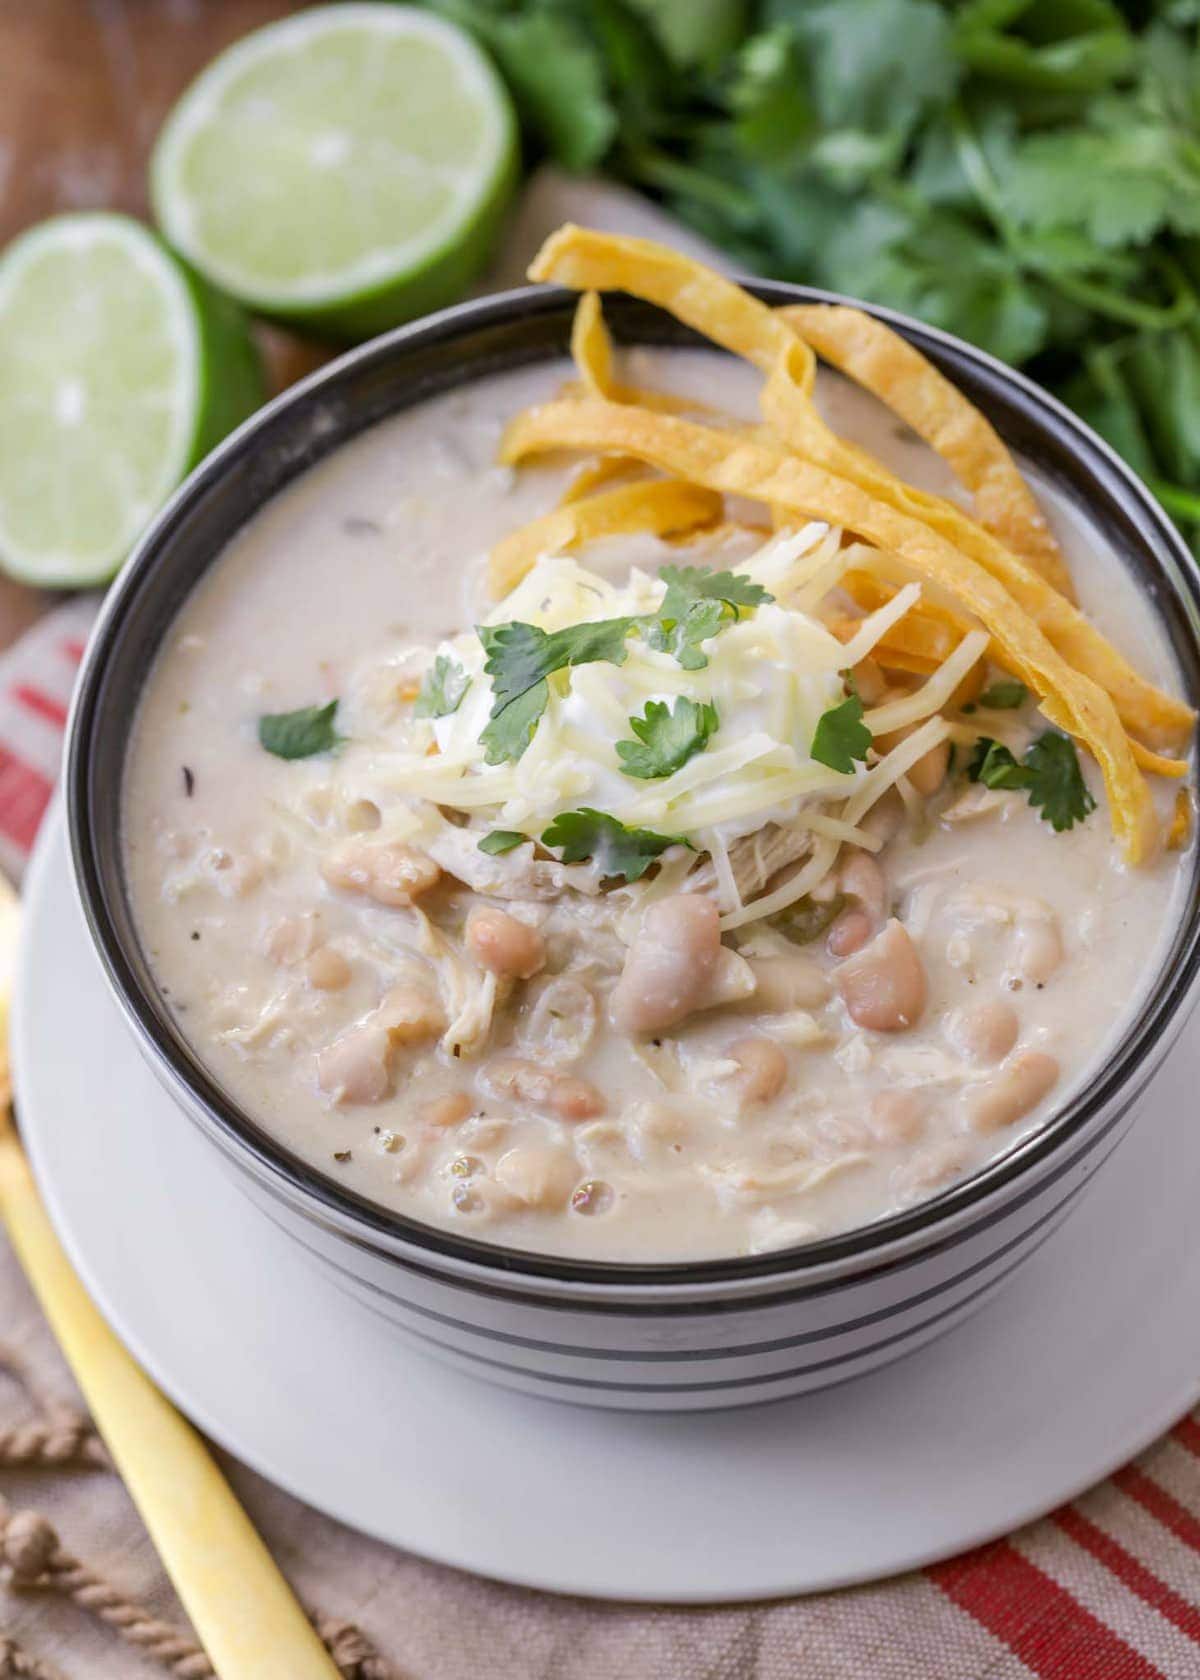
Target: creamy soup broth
{"type": "Point", "coordinates": [623, 1145]}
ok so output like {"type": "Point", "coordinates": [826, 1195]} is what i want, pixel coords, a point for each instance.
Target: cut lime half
{"type": "Point", "coordinates": [118, 371]}
{"type": "Point", "coordinates": [345, 168]}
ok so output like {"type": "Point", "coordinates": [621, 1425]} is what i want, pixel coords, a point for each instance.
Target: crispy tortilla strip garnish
{"type": "Point", "coordinates": [718, 308]}
{"type": "Point", "coordinates": [896, 372]}
{"type": "Point", "coordinates": [740, 466]}
{"type": "Point", "coordinates": [591, 347]}
{"type": "Point", "coordinates": [1155, 764]}
{"type": "Point", "coordinates": [729, 316]}
{"type": "Point", "coordinates": [1141, 706]}
{"type": "Point", "coordinates": [1182, 818]}
{"type": "Point", "coordinates": [594, 475]}
{"type": "Point", "coordinates": [662, 505]}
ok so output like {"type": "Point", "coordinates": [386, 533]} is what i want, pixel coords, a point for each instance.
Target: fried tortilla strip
{"type": "Point", "coordinates": [1141, 706]}
{"type": "Point", "coordinates": [592, 353]}
{"type": "Point", "coordinates": [896, 372]}
{"type": "Point", "coordinates": [739, 466]}
{"type": "Point", "coordinates": [594, 475]}
{"type": "Point", "coordinates": [591, 347]}
{"type": "Point", "coordinates": [662, 505]}
{"type": "Point", "coordinates": [738, 322]}
{"type": "Point", "coordinates": [1180, 830]}
{"type": "Point", "coordinates": [1155, 764]}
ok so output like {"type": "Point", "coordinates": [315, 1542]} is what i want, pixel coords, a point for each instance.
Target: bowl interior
{"type": "Point", "coordinates": [403, 369]}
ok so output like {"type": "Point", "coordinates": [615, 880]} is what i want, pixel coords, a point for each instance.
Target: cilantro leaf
{"type": "Point", "coordinates": [510, 729]}
{"type": "Point", "coordinates": [619, 851]}
{"type": "Point", "coordinates": [995, 766]}
{"type": "Point", "coordinates": [300, 734]}
{"type": "Point", "coordinates": [519, 659]}
{"type": "Point", "coordinates": [1056, 786]}
{"type": "Point", "coordinates": [697, 604]}
{"type": "Point", "coordinates": [502, 840]}
{"type": "Point", "coordinates": [667, 738]}
{"type": "Point", "coordinates": [841, 736]}
{"type": "Point", "coordinates": [1003, 697]}
{"type": "Point", "coordinates": [1049, 773]}
{"type": "Point", "coordinates": [442, 689]}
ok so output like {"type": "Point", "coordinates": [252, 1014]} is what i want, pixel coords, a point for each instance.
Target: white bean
{"type": "Point", "coordinates": [986, 1032]}
{"type": "Point", "coordinates": [762, 1068]}
{"type": "Point", "coordinates": [849, 933]}
{"type": "Point", "coordinates": [895, 1117]}
{"type": "Point", "coordinates": [883, 986]}
{"type": "Point", "coordinates": [356, 1067]}
{"type": "Point", "coordinates": [1039, 945]}
{"type": "Point", "coordinates": [670, 964]}
{"type": "Point", "coordinates": [504, 944]}
{"type": "Point", "coordinates": [391, 874]}
{"type": "Point", "coordinates": [537, 1176]}
{"type": "Point", "coordinates": [1015, 1088]}
{"type": "Point", "coordinates": [450, 1109]}
{"type": "Point", "coordinates": [560, 1094]}
{"type": "Point", "coordinates": [409, 1014]}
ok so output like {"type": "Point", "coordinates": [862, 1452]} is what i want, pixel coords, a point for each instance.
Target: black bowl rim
{"type": "Point", "coordinates": [379, 1229]}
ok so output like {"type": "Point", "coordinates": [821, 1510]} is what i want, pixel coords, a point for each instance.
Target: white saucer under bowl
{"type": "Point", "coordinates": [1090, 1352]}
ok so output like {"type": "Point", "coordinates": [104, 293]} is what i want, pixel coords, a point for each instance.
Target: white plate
{"type": "Point", "coordinates": [1091, 1352]}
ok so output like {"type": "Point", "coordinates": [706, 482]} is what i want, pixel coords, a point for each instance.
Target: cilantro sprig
{"type": "Point", "coordinates": [1004, 696]}
{"type": "Point", "coordinates": [1049, 773]}
{"type": "Point", "coordinates": [666, 737]}
{"type": "Point", "coordinates": [696, 606]}
{"type": "Point", "coordinates": [299, 734]}
{"type": "Point", "coordinates": [501, 840]}
{"type": "Point", "coordinates": [442, 689]}
{"type": "Point", "coordinates": [841, 737]}
{"type": "Point", "coordinates": [620, 852]}
{"type": "Point", "coordinates": [520, 657]}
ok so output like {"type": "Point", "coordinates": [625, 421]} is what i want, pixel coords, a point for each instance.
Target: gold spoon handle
{"type": "Point", "coordinates": [240, 1605]}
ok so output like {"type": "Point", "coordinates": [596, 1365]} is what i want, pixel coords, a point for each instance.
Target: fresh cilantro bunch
{"type": "Point", "coordinates": [1024, 173]}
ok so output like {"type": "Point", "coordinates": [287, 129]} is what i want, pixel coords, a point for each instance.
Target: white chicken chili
{"type": "Point", "coordinates": [662, 907]}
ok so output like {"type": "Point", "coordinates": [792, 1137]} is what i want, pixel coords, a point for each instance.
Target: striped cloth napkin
{"type": "Point", "coordinates": [1107, 1588]}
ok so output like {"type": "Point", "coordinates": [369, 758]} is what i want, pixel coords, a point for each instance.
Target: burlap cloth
{"type": "Point", "coordinates": [1107, 1589]}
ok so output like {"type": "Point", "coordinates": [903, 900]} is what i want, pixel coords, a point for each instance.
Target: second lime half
{"type": "Point", "coordinates": [346, 168]}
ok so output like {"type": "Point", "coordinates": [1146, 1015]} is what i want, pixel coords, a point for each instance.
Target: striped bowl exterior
{"type": "Point", "coordinates": [681, 1348]}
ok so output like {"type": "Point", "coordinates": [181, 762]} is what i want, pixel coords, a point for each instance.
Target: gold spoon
{"type": "Point", "coordinates": [240, 1605]}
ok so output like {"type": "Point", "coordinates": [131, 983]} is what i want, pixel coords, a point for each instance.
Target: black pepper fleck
{"type": "Point", "coordinates": [189, 781]}
{"type": "Point", "coordinates": [195, 933]}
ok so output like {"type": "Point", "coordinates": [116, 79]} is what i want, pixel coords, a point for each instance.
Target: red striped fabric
{"type": "Point", "coordinates": [41, 704]}
{"type": "Point", "coordinates": [24, 796]}
{"type": "Point", "coordinates": [1161, 1505]}
{"type": "Point", "coordinates": [1187, 1433]}
{"type": "Point", "coordinates": [1052, 1634]}
{"type": "Point", "coordinates": [1131, 1572]}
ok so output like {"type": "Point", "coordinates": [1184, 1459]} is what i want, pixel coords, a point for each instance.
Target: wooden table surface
{"type": "Point", "coordinates": [84, 86]}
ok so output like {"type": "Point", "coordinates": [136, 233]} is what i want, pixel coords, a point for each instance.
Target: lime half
{"type": "Point", "coordinates": [346, 168]}
{"type": "Point", "coordinates": [118, 371]}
